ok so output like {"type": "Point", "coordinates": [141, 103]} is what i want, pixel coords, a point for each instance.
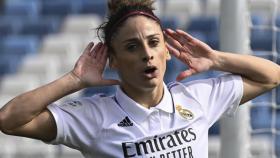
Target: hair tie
{"type": "Point", "coordinates": [150, 15]}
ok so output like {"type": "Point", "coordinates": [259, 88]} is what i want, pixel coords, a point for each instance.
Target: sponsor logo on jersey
{"type": "Point", "coordinates": [73, 104]}
{"type": "Point", "coordinates": [185, 113]}
{"type": "Point", "coordinates": [176, 144]}
{"type": "Point", "coordinates": [125, 122]}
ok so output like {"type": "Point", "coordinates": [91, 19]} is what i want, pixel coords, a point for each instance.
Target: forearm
{"type": "Point", "coordinates": [23, 108]}
{"type": "Point", "coordinates": [253, 68]}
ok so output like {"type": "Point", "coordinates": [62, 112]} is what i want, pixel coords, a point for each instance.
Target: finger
{"type": "Point", "coordinates": [104, 56]}
{"type": "Point", "coordinates": [185, 58]}
{"type": "Point", "coordinates": [88, 48]}
{"type": "Point", "coordinates": [171, 33]}
{"type": "Point", "coordinates": [192, 41]}
{"type": "Point", "coordinates": [100, 52]}
{"type": "Point", "coordinates": [109, 82]}
{"type": "Point", "coordinates": [178, 50]}
{"type": "Point", "coordinates": [95, 49]}
{"type": "Point", "coordinates": [173, 42]}
{"type": "Point", "coordinates": [176, 36]}
{"type": "Point", "coordinates": [182, 37]}
{"type": "Point", "coordinates": [185, 34]}
{"type": "Point", "coordinates": [185, 74]}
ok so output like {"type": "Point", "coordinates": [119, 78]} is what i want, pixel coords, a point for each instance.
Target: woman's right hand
{"type": "Point", "coordinates": [89, 68]}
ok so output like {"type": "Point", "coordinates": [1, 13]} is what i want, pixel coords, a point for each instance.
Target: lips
{"type": "Point", "coordinates": [150, 69]}
{"type": "Point", "coordinates": [151, 72]}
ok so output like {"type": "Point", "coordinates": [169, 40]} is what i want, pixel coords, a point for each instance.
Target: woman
{"type": "Point", "coordinates": [145, 118]}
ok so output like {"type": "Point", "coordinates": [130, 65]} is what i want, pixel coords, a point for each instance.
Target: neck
{"type": "Point", "coordinates": [146, 97]}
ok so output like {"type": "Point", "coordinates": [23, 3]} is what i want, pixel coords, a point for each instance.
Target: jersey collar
{"type": "Point", "coordinates": [139, 113]}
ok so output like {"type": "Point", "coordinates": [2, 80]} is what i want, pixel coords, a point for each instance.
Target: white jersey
{"type": "Point", "coordinates": [117, 126]}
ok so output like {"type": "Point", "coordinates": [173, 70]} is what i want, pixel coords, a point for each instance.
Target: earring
{"type": "Point", "coordinates": [167, 52]}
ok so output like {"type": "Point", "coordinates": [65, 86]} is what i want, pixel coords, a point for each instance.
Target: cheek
{"type": "Point", "coordinates": [163, 59]}
{"type": "Point", "coordinates": [163, 56]}
{"type": "Point", "coordinates": [126, 64]}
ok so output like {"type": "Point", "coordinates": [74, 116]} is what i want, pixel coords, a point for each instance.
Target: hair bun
{"type": "Point", "coordinates": [115, 5]}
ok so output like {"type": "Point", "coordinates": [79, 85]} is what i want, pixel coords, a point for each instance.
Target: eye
{"type": "Point", "coordinates": [154, 42]}
{"type": "Point", "coordinates": [131, 47]}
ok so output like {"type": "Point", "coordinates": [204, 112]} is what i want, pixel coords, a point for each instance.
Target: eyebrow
{"type": "Point", "coordinates": [135, 39]}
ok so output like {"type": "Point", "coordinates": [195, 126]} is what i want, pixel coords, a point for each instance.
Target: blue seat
{"type": "Point", "coordinates": [175, 65]}
{"type": "Point", "coordinates": [278, 120]}
{"type": "Point", "coordinates": [207, 25]}
{"type": "Point", "coordinates": [173, 68]}
{"type": "Point", "coordinates": [6, 28]}
{"type": "Point", "coordinates": [22, 8]}
{"type": "Point", "coordinates": [278, 42]}
{"type": "Point", "coordinates": [277, 141]}
{"type": "Point", "coordinates": [277, 145]}
{"type": "Point", "coordinates": [264, 54]}
{"type": "Point", "coordinates": [261, 39]}
{"type": "Point", "coordinates": [171, 23]}
{"type": "Point", "coordinates": [93, 7]}
{"type": "Point", "coordinates": [204, 24]}
{"type": "Point", "coordinates": [19, 45]}
{"type": "Point", "coordinates": [213, 40]}
{"type": "Point", "coordinates": [277, 22]}
{"type": "Point", "coordinates": [10, 25]}
{"type": "Point", "coordinates": [170, 76]}
{"type": "Point", "coordinates": [9, 63]}
{"type": "Point", "coordinates": [258, 20]}
{"type": "Point", "coordinates": [261, 116]}
{"type": "Point", "coordinates": [266, 98]}
{"type": "Point", "coordinates": [215, 129]}
{"type": "Point", "coordinates": [278, 96]}
{"type": "Point", "coordinates": [59, 8]}
{"type": "Point", "coordinates": [40, 27]}
{"type": "Point", "coordinates": [199, 35]}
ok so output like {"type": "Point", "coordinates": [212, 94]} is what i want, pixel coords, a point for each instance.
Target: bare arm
{"type": "Point", "coordinates": [27, 114]}
{"type": "Point", "coordinates": [259, 75]}
{"type": "Point", "coordinates": [28, 108]}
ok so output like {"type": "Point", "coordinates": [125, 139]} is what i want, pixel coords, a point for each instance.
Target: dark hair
{"type": "Point", "coordinates": [119, 11]}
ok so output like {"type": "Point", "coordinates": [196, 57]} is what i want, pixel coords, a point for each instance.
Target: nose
{"type": "Point", "coordinates": [147, 55]}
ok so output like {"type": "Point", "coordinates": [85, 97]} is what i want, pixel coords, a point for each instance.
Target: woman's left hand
{"type": "Point", "coordinates": [196, 54]}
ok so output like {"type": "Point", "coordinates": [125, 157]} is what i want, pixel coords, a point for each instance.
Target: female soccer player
{"type": "Point", "coordinates": [145, 118]}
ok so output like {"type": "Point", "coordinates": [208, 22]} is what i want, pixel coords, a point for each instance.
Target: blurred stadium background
{"type": "Point", "coordinates": [40, 40]}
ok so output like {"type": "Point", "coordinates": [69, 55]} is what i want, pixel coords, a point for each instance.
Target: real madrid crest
{"type": "Point", "coordinates": [185, 113]}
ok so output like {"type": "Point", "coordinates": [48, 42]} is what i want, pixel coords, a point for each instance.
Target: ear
{"type": "Point", "coordinates": [112, 61]}
{"type": "Point", "coordinates": [168, 56]}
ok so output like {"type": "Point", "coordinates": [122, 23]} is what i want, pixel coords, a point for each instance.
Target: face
{"type": "Point", "coordinates": [140, 53]}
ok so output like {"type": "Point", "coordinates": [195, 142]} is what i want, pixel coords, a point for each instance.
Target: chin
{"type": "Point", "coordinates": [144, 84]}
{"type": "Point", "coordinates": [152, 83]}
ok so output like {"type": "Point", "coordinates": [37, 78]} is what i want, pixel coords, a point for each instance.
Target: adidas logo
{"type": "Point", "coordinates": [125, 122]}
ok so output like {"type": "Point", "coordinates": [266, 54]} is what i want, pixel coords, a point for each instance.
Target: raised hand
{"type": "Point", "coordinates": [197, 55]}
{"type": "Point", "coordinates": [90, 66]}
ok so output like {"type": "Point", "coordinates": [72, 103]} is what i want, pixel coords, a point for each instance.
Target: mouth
{"type": "Point", "coordinates": [151, 72]}
{"type": "Point", "coordinates": [150, 69]}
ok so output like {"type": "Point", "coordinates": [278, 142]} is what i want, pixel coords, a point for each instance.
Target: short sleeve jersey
{"type": "Point", "coordinates": [116, 126]}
